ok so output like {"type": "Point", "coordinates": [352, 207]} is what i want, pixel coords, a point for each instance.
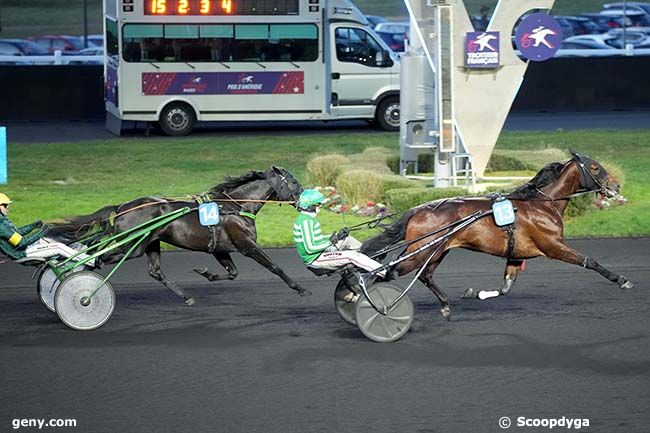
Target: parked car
{"type": "Point", "coordinates": [606, 22]}
{"type": "Point", "coordinates": [633, 18]}
{"type": "Point", "coordinates": [608, 40]}
{"type": "Point", "coordinates": [393, 27]}
{"type": "Point", "coordinates": [92, 51]}
{"type": "Point", "coordinates": [579, 43]}
{"type": "Point", "coordinates": [573, 25]}
{"type": "Point", "coordinates": [374, 20]}
{"type": "Point", "coordinates": [19, 48]}
{"type": "Point", "coordinates": [64, 43]}
{"type": "Point", "coordinates": [637, 36]}
{"type": "Point", "coordinates": [634, 6]}
{"type": "Point", "coordinates": [396, 41]}
{"type": "Point", "coordinates": [93, 40]}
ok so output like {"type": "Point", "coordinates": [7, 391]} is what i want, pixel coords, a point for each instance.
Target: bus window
{"type": "Point", "coordinates": [220, 43]}
{"type": "Point", "coordinates": [357, 46]}
{"type": "Point", "coordinates": [294, 42]}
{"type": "Point", "coordinates": [111, 38]}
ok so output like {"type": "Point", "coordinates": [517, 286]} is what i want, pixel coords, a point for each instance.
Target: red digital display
{"type": "Point", "coordinates": [220, 7]}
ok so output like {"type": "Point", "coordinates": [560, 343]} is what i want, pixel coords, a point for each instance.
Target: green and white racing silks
{"type": "Point", "coordinates": [308, 237]}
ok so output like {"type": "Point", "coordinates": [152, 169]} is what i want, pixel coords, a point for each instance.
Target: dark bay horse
{"type": "Point", "coordinates": [240, 199]}
{"type": "Point", "coordinates": [538, 229]}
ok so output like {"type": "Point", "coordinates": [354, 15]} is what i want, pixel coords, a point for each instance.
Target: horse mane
{"type": "Point", "coordinates": [548, 174]}
{"type": "Point", "coordinates": [235, 182]}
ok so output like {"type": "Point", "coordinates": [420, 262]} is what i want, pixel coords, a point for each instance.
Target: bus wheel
{"type": "Point", "coordinates": [388, 114]}
{"type": "Point", "coordinates": [177, 119]}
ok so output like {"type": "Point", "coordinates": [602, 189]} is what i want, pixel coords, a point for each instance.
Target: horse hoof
{"type": "Point", "coordinates": [446, 313]}
{"type": "Point", "coordinates": [625, 284]}
{"type": "Point", "coordinates": [189, 301]}
{"type": "Point", "coordinates": [304, 292]}
{"type": "Point", "coordinates": [470, 294]}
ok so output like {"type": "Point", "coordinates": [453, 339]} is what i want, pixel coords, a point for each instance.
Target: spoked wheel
{"type": "Point", "coordinates": [76, 308]}
{"type": "Point", "coordinates": [393, 325]}
{"type": "Point", "coordinates": [344, 305]}
{"type": "Point", "coordinates": [46, 287]}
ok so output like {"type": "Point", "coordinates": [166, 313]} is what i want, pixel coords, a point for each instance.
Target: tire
{"type": "Point", "coordinates": [46, 287]}
{"type": "Point", "coordinates": [391, 326]}
{"type": "Point", "coordinates": [345, 309]}
{"type": "Point", "coordinates": [387, 114]}
{"type": "Point", "coordinates": [177, 119]}
{"type": "Point", "coordinates": [74, 306]}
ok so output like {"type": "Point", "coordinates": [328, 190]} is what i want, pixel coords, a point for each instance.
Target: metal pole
{"type": "Point", "coordinates": [624, 24]}
{"type": "Point", "coordinates": [85, 23]}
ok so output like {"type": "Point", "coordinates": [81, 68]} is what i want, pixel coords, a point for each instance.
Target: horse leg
{"type": "Point", "coordinates": [510, 275]}
{"type": "Point", "coordinates": [224, 260]}
{"type": "Point", "coordinates": [427, 280]}
{"type": "Point", "coordinates": [561, 251]}
{"type": "Point", "coordinates": [250, 249]}
{"type": "Point", "coordinates": [155, 270]}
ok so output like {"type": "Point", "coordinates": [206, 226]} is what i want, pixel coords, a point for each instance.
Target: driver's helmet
{"type": "Point", "coordinates": [309, 199]}
{"type": "Point", "coordinates": [4, 199]}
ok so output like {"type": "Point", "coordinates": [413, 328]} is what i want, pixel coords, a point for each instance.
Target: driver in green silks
{"type": "Point", "coordinates": [317, 251]}
{"type": "Point", "coordinates": [28, 241]}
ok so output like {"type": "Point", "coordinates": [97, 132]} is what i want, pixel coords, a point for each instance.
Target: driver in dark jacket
{"type": "Point", "coordinates": [15, 240]}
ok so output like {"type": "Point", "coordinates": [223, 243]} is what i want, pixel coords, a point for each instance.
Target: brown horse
{"type": "Point", "coordinates": [537, 231]}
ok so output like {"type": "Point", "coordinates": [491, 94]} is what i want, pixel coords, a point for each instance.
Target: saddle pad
{"type": "Point", "coordinates": [503, 212]}
{"type": "Point", "coordinates": [209, 214]}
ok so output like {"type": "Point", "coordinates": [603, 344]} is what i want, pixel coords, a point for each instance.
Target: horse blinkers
{"type": "Point", "coordinates": [284, 184]}
{"type": "Point", "coordinates": [593, 176]}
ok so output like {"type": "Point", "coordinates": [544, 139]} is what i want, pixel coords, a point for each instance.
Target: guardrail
{"type": "Point", "coordinates": [55, 59]}
{"type": "Point", "coordinates": [629, 51]}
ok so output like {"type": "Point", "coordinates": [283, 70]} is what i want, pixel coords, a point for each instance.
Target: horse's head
{"type": "Point", "coordinates": [594, 177]}
{"type": "Point", "coordinates": [285, 185]}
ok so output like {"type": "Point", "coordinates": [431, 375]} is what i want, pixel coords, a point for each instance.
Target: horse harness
{"type": "Point", "coordinates": [508, 228]}
{"type": "Point", "coordinates": [215, 231]}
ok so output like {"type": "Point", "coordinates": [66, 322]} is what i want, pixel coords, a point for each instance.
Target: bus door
{"type": "Point", "coordinates": [361, 68]}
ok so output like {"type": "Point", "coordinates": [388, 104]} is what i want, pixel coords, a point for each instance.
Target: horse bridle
{"type": "Point", "coordinates": [280, 184]}
{"type": "Point", "coordinates": [588, 181]}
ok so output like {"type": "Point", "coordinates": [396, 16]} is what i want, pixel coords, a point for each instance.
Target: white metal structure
{"type": "Point", "coordinates": [460, 112]}
{"type": "Point", "coordinates": [180, 61]}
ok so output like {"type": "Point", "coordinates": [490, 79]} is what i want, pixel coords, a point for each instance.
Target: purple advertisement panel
{"type": "Point", "coordinates": [110, 85]}
{"type": "Point", "coordinates": [538, 37]}
{"type": "Point", "coordinates": [223, 83]}
{"type": "Point", "coordinates": [482, 50]}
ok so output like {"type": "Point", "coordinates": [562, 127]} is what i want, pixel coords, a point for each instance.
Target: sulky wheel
{"type": "Point", "coordinates": [344, 307]}
{"type": "Point", "coordinates": [46, 287]}
{"type": "Point", "coordinates": [76, 308]}
{"type": "Point", "coordinates": [393, 325]}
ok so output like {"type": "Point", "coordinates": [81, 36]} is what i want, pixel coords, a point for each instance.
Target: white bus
{"type": "Point", "coordinates": [177, 62]}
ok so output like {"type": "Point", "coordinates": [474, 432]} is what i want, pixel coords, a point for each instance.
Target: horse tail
{"type": "Point", "coordinates": [391, 234]}
{"type": "Point", "coordinates": [84, 228]}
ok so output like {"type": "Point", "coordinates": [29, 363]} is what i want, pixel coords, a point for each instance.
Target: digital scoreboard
{"type": "Point", "coordinates": [221, 7]}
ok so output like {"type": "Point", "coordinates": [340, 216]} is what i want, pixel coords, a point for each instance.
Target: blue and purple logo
{"type": "Point", "coordinates": [482, 50]}
{"type": "Point", "coordinates": [538, 37]}
{"type": "Point", "coordinates": [223, 83]}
